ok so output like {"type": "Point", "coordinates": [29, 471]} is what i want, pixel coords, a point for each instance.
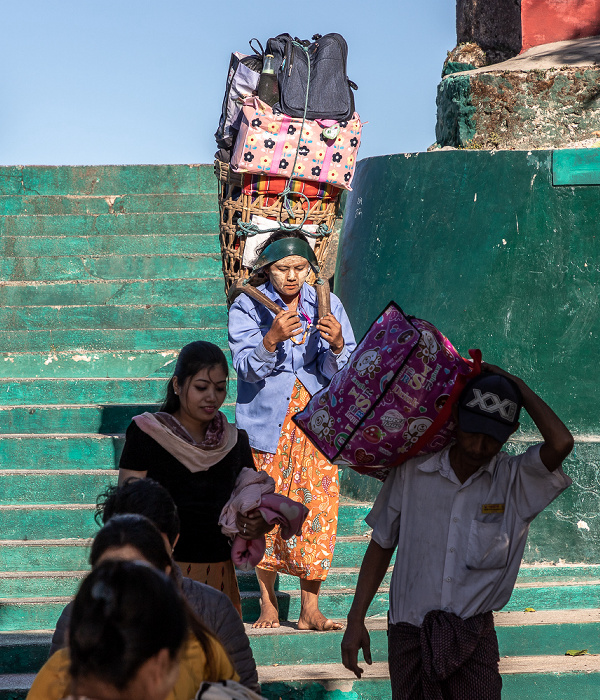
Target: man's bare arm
{"type": "Point", "coordinates": [373, 569]}
{"type": "Point", "coordinates": [558, 441]}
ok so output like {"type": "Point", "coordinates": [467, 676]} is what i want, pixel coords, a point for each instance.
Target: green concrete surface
{"type": "Point", "coordinates": [12, 205]}
{"type": "Point", "coordinates": [42, 615]}
{"type": "Point", "coordinates": [21, 521]}
{"type": "Point", "coordinates": [333, 604]}
{"type": "Point", "coordinates": [561, 597]}
{"type": "Point", "coordinates": [577, 166]}
{"type": "Point", "coordinates": [23, 653]}
{"type": "Point", "coordinates": [337, 578]}
{"type": "Point", "coordinates": [185, 244]}
{"type": "Point", "coordinates": [59, 556]}
{"type": "Point", "coordinates": [372, 689]}
{"type": "Point", "coordinates": [108, 180]}
{"type": "Point", "coordinates": [95, 364]}
{"type": "Point", "coordinates": [172, 224]}
{"type": "Point", "coordinates": [34, 392]}
{"type": "Point", "coordinates": [106, 419]}
{"type": "Point", "coordinates": [56, 586]}
{"type": "Point", "coordinates": [30, 523]}
{"type": "Point", "coordinates": [61, 488]}
{"type": "Point", "coordinates": [60, 452]}
{"type": "Point", "coordinates": [117, 293]}
{"type": "Point", "coordinates": [556, 686]}
{"type": "Point", "coordinates": [116, 340]}
{"type": "Point", "coordinates": [107, 318]}
{"type": "Point", "coordinates": [113, 267]}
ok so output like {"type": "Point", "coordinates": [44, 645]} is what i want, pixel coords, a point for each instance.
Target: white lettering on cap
{"type": "Point", "coordinates": [490, 403]}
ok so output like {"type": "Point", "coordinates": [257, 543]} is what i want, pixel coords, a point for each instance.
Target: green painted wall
{"type": "Point", "coordinates": [485, 247]}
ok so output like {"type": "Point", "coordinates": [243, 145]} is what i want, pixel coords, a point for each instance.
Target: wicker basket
{"type": "Point", "coordinates": [235, 207]}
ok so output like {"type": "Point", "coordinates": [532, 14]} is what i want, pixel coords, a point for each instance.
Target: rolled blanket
{"type": "Point", "coordinates": [255, 490]}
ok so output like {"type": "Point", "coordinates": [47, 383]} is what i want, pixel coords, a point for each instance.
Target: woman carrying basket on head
{"type": "Point", "coordinates": [281, 360]}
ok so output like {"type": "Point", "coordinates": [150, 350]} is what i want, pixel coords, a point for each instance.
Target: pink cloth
{"type": "Point", "coordinates": [255, 490]}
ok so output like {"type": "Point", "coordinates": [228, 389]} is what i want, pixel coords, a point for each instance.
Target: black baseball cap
{"type": "Point", "coordinates": [490, 404]}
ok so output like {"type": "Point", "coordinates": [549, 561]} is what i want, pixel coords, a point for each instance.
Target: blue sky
{"type": "Point", "coordinates": [136, 81]}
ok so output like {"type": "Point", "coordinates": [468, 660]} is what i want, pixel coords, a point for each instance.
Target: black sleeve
{"type": "Point", "coordinates": [137, 451]}
{"type": "Point", "coordinates": [245, 451]}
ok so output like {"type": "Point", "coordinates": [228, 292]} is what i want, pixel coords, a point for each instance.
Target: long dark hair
{"type": "Point", "coordinates": [134, 531]}
{"type": "Point", "coordinates": [124, 614]}
{"type": "Point", "coordinates": [143, 497]}
{"type": "Point", "coordinates": [193, 357]}
{"type": "Point", "coordinates": [139, 532]}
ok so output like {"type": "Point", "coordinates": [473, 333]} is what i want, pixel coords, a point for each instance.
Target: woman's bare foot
{"type": "Point", "coordinates": [315, 620]}
{"type": "Point", "coordinates": [311, 618]}
{"type": "Point", "coordinates": [269, 616]}
{"type": "Point", "coordinates": [269, 611]}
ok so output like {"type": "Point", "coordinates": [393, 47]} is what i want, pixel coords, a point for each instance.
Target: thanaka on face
{"type": "Point", "coordinates": [288, 275]}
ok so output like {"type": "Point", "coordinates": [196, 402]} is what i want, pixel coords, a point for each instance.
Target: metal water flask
{"type": "Point", "coordinates": [268, 89]}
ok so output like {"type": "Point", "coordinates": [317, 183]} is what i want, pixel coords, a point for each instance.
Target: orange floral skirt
{"type": "Point", "coordinates": [301, 472]}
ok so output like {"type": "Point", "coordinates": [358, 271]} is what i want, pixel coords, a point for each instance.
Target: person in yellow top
{"type": "Point", "coordinates": [131, 635]}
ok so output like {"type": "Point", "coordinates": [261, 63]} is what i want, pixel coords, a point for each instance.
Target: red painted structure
{"type": "Point", "coordinates": [545, 21]}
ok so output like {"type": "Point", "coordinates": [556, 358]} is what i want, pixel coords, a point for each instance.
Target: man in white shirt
{"type": "Point", "coordinates": [460, 519]}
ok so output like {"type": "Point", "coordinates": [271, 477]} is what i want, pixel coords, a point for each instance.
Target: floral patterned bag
{"type": "Point", "coordinates": [393, 399]}
{"type": "Point", "coordinates": [267, 144]}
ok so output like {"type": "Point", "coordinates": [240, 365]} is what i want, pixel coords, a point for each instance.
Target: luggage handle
{"type": "Point", "coordinates": [323, 297]}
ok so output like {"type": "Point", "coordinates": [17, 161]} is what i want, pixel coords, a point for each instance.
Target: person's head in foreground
{"type": "Point", "coordinates": [127, 629]}
{"type": "Point", "coordinates": [143, 497]}
{"type": "Point", "coordinates": [487, 414]}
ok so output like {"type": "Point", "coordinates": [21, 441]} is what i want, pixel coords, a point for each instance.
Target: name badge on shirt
{"type": "Point", "coordinates": [487, 508]}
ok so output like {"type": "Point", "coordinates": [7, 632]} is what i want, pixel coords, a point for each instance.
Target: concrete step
{"type": "Point", "coordinates": [39, 585]}
{"type": "Point", "coordinates": [23, 653]}
{"type": "Point", "coordinates": [53, 521]}
{"type": "Point", "coordinates": [15, 686]}
{"type": "Point", "coordinates": [107, 318]}
{"type": "Point", "coordinates": [102, 180]}
{"type": "Point", "coordinates": [524, 678]}
{"type": "Point", "coordinates": [116, 292]}
{"type": "Point", "coordinates": [107, 420]}
{"type": "Point", "coordinates": [165, 223]}
{"type": "Point", "coordinates": [69, 205]}
{"type": "Point", "coordinates": [85, 341]}
{"type": "Point", "coordinates": [47, 522]}
{"type": "Point", "coordinates": [60, 486]}
{"type": "Point", "coordinates": [519, 634]}
{"type": "Point", "coordinates": [84, 451]}
{"type": "Point", "coordinates": [158, 244]}
{"type": "Point", "coordinates": [93, 364]}
{"type": "Point", "coordinates": [44, 555]}
{"type": "Point", "coordinates": [110, 267]}
{"type": "Point", "coordinates": [125, 390]}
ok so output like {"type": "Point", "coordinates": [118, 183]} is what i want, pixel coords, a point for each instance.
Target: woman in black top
{"type": "Point", "coordinates": [196, 454]}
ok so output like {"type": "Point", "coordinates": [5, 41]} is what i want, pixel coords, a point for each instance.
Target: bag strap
{"type": "Point", "coordinates": [323, 297]}
{"type": "Point", "coordinates": [444, 415]}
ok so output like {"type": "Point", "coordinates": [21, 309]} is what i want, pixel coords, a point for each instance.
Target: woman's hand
{"type": "Point", "coordinates": [285, 325]}
{"type": "Point", "coordinates": [331, 331]}
{"type": "Point", "coordinates": [252, 526]}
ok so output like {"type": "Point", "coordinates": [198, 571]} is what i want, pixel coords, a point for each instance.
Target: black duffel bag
{"type": "Point", "coordinates": [330, 93]}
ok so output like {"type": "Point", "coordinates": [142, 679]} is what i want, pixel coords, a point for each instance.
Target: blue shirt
{"type": "Point", "coordinates": [266, 379]}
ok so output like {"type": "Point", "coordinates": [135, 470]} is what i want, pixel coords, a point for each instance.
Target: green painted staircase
{"type": "Point", "coordinates": [105, 273]}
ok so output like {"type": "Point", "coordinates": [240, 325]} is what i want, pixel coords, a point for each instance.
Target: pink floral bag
{"type": "Point", "coordinates": [267, 144]}
{"type": "Point", "coordinates": [393, 399]}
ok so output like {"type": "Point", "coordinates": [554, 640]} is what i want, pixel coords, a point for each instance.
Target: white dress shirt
{"type": "Point", "coordinates": [459, 545]}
